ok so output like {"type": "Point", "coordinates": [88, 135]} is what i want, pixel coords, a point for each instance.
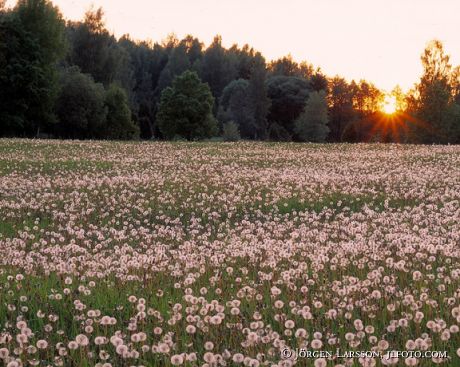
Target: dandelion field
{"type": "Point", "coordinates": [212, 254]}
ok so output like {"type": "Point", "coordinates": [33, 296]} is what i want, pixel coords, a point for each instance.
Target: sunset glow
{"type": "Point", "coordinates": [376, 40]}
{"type": "Point", "coordinates": [389, 105]}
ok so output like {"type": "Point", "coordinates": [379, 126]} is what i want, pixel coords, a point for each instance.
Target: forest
{"type": "Point", "coordinates": [76, 80]}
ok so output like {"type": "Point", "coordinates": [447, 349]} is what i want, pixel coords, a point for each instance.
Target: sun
{"type": "Point", "coordinates": [389, 105]}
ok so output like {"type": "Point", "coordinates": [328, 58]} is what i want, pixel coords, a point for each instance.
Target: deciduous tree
{"type": "Point", "coordinates": [44, 23]}
{"type": "Point", "coordinates": [80, 106]}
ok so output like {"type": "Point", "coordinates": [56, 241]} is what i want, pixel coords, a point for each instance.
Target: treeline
{"type": "Point", "coordinates": [76, 80]}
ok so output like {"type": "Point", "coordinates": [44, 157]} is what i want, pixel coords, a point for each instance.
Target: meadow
{"type": "Point", "coordinates": [219, 254]}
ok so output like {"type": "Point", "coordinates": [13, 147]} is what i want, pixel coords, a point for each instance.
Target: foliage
{"type": "Point", "coordinates": [286, 66]}
{"type": "Point", "coordinates": [366, 97]}
{"type": "Point", "coordinates": [44, 21]}
{"type": "Point", "coordinates": [178, 62]}
{"type": "Point", "coordinates": [216, 68]}
{"type": "Point", "coordinates": [119, 124]}
{"type": "Point", "coordinates": [341, 112]}
{"type": "Point", "coordinates": [21, 77]}
{"type": "Point", "coordinates": [246, 102]}
{"type": "Point", "coordinates": [235, 106]}
{"type": "Point", "coordinates": [434, 102]}
{"type": "Point", "coordinates": [32, 43]}
{"type": "Point", "coordinates": [80, 106]}
{"type": "Point", "coordinates": [258, 95]}
{"type": "Point", "coordinates": [147, 63]}
{"type": "Point", "coordinates": [96, 52]}
{"type": "Point", "coordinates": [288, 95]}
{"type": "Point", "coordinates": [312, 123]}
{"type": "Point", "coordinates": [185, 109]}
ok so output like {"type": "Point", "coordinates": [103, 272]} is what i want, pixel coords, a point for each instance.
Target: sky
{"type": "Point", "coordinates": [377, 40]}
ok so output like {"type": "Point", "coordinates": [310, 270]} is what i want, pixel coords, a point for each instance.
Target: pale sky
{"type": "Point", "coordinates": [378, 40]}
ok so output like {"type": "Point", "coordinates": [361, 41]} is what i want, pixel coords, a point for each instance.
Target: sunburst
{"type": "Point", "coordinates": [389, 105]}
